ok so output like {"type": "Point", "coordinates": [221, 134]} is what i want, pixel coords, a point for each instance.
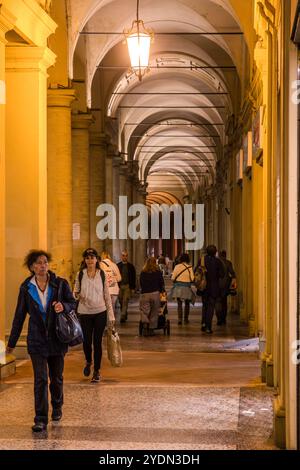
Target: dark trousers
{"type": "Point", "coordinates": [223, 313]}
{"type": "Point", "coordinates": [186, 310]}
{"type": "Point", "coordinates": [210, 304]}
{"type": "Point", "coordinates": [93, 328]}
{"type": "Point", "coordinates": [54, 365]}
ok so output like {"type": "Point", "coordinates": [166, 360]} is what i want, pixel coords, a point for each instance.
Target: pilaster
{"type": "Point", "coordinates": [60, 180]}
{"type": "Point", "coordinates": [81, 185]}
{"type": "Point", "coordinates": [98, 151]}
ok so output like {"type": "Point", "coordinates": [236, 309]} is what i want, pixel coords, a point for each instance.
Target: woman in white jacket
{"type": "Point", "coordinates": [94, 308]}
{"type": "Point", "coordinates": [113, 276]}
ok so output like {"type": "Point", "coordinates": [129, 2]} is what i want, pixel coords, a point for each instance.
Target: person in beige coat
{"type": "Point", "coordinates": [113, 277]}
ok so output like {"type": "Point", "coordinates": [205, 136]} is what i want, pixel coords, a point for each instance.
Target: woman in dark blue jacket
{"type": "Point", "coordinates": [38, 297]}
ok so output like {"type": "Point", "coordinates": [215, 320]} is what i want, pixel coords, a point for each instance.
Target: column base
{"type": "Point", "coordinates": [270, 373]}
{"type": "Point", "coordinates": [279, 426]}
{"type": "Point", "coordinates": [252, 328]}
{"type": "Point", "coordinates": [7, 366]}
{"type": "Point", "coordinates": [263, 369]}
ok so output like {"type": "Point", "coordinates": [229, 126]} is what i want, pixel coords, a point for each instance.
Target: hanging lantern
{"type": "Point", "coordinates": [138, 40]}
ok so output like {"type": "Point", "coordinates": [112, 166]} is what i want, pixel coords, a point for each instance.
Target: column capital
{"type": "Point", "coordinates": [29, 58]}
{"type": "Point", "coordinates": [82, 120]}
{"type": "Point", "coordinates": [123, 169]}
{"type": "Point", "coordinates": [98, 139]}
{"type": "Point", "coordinates": [61, 97]}
{"type": "Point", "coordinates": [7, 21]}
{"type": "Point", "coordinates": [117, 160]}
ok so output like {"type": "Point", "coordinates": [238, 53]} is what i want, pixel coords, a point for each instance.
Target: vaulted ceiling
{"type": "Point", "coordinates": [173, 122]}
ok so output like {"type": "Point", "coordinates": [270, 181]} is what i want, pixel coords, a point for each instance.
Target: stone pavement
{"type": "Point", "coordinates": [188, 391]}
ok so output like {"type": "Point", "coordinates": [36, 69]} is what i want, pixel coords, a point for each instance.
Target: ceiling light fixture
{"type": "Point", "coordinates": [138, 40]}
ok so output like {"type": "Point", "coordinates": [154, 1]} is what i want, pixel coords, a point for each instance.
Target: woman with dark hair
{"type": "Point", "coordinates": [38, 296]}
{"type": "Point", "coordinates": [182, 277]}
{"type": "Point", "coordinates": [94, 309]}
{"type": "Point", "coordinates": [152, 284]}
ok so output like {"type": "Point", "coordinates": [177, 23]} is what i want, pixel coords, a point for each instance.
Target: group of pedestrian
{"type": "Point", "coordinates": [43, 296]}
{"type": "Point", "coordinates": [220, 279]}
{"type": "Point", "coordinates": [98, 284]}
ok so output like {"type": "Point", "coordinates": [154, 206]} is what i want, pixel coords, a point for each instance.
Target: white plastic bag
{"type": "Point", "coordinates": [114, 351]}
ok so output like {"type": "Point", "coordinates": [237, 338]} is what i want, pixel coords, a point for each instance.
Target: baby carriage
{"type": "Point", "coordinates": [163, 323]}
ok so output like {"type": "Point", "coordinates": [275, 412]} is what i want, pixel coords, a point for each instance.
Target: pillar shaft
{"type": "Point", "coordinates": [123, 192]}
{"type": "Point", "coordinates": [98, 149]}
{"type": "Point", "coordinates": [116, 192]}
{"type": "Point", "coordinates": [81, 186]}
{"type": "Point", "coordinates": [109, 190]}
{"type": "Point", "coordinates": [26, 160]}
{"type": "Point", "coordinates": [60, 180]}
{"type": "Point", "coordinates": [4, 25]}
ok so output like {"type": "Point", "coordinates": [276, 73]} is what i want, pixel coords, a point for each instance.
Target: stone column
{"type": "Point", "coordinates": [123, 192]}
{"type": "Point", "coordinates": [4, 26]}
{"type": "Point", "coordinates": [129, 194]}
{"type": "Point", "coordinates": [81, 185]}
{"type": "Point", "coordinates": [116, 192]}
{"type": "Point", "coordinates": [60, 180]}
{"type": "Point", "coordinates": [26, 160]}
{"type": "Point", "coordinates": [98, 150]}
{"type": "Point", "coordinates": [109, 189]}
{"type": "Point", "coordinates": [141, 249]}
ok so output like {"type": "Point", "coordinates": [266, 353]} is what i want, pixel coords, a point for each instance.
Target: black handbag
{"type": "Point", "coordinates": [68, 328]}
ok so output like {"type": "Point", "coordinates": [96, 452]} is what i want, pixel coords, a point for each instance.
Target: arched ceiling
{"type": "Point", "coordinates": [173, 122]}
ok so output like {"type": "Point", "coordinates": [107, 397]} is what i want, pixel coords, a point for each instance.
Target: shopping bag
{"type": "Point", "coordinates": [114, 351]}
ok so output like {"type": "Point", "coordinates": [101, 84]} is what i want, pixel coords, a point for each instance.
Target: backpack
{"type": "Point", "coordinates": [200, 277]}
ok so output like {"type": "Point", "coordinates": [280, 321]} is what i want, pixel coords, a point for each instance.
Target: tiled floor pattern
{"type": "Point", "coordinates": [185, 392]}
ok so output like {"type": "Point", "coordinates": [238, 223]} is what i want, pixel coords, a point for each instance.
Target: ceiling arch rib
{"type": "Point", "coordinates": [179, 122]}
{"type": "Point", "coordinates": [187, 79]}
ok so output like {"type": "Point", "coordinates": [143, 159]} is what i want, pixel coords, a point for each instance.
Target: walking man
{"type": "Point", "coordinates": [127, 284]}
{"type": "Point", "coordinates": [226, 283]}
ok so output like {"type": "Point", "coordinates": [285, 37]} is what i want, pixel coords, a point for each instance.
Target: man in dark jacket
{"type": "Point", "coordinates": [127, 284]}
{"type": "Point", "coordinates": [212, 295]}
{"type": "Point", "coordinates": [228, 281]}
{"type": "Point", "coordinates": [38, 297]}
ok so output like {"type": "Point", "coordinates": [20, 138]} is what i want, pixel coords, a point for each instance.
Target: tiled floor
{"type": "Point", "coordinates": [188, 391]}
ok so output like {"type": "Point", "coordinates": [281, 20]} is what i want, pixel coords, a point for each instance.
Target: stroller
{"type": "Point", "coordinates": [163, 323]}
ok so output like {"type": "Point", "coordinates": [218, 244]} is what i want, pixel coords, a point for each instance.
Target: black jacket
{"type": "Point", "coordinates": [131, 274]}
{"type": "Point", "coordinates": [215, 272]}
{"type": "Point", "coordinates": [225, 282]}
{"type": "Point", "coordinates": [41, 336]}
{"type": "Point", "coordinates": [152, 282]}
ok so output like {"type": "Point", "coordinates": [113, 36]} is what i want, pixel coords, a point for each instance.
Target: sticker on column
{"type": "Point", "coordinates": [2, 352]}
{"type": "Point", "coordinates": [2, 92]}
{"type": "Point", "coordinates": [76, 231]}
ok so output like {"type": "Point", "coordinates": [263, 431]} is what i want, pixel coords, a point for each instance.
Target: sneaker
{"type": "Point", "coordinates": [208, 331]}
{"type": "Point", "coordinates": [39, 427]}
{"type": "Point", "coordinates": [56, 414]}
{"type": "Point", "coordinates": [87, 369]}
{"type": "Point", "coordinates": [96, 377]}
